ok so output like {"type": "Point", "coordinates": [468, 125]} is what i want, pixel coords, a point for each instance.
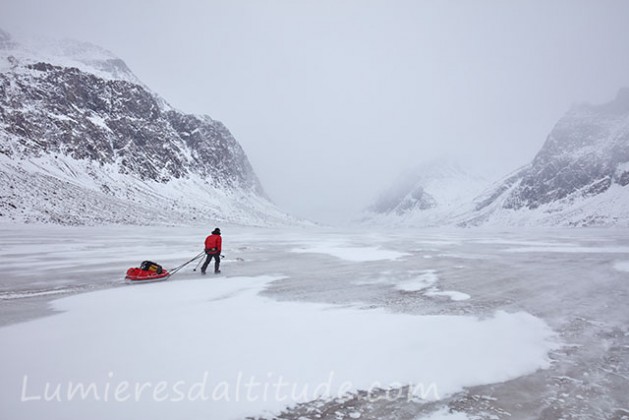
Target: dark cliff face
{"type": "Point", "coordinates": [47, 109]}
{"type": "Point", "coordinates": [584, 155]}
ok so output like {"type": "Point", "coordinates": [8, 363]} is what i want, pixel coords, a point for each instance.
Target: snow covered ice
{"type": "Point", "coordinates": [315, 323]}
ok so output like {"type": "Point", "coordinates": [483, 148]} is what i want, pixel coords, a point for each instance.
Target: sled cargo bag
{"type": "Point", "coordinates": [151, 266]}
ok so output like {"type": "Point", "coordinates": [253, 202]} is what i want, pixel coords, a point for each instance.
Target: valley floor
{"type": "Point", "coordinates": [315, 323]}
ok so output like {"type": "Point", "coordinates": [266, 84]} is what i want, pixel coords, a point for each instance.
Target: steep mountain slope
{"type": "Point", "coordinates": [431, 194]}
{"type": "Point", "coordinates": [83, 141]}
{"type": "Point", "coordinates": [578, 178]}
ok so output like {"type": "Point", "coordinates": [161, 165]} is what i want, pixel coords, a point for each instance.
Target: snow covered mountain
{"type": "Point", "coordinates": [83, 141]}
{"type": "Point", "coordinates": [580, 177]}
{"type": "Point", "coordinates": [431, 194]}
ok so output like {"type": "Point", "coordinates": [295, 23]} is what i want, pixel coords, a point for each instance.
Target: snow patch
{"type": "Point", "coordinates": [349, 253]}
{"type": "Point", "coordinates": [99, 121]}
{"type": "Point", "coordinates": [427, 281]}
{"type": "Point", "coordinates": [217, 349]}
{"type": "Point", "coordinates": [622, 266]}
{"type": "Point", "coordinates": [423, 281]}
{"type": "Point", "coordinates": [452, 294]}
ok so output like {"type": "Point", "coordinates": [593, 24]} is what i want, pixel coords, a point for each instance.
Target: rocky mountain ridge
{"type": "Point", "coordinates": [96, 130]}
{"type": "Point", "coordinates": [578, 178]}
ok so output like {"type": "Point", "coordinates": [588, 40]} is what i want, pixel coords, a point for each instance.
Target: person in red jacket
{"type": "Point", "coordinates": [213, 248]}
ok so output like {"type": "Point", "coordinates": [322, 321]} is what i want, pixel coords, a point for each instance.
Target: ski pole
{"type": "Point", "coordinates": [199, 263]}
{"type": "Point", "coordinates": [174, 270]}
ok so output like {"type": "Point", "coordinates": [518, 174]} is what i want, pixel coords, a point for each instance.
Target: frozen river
{"type": "Point", "coordinates": [507, 324]}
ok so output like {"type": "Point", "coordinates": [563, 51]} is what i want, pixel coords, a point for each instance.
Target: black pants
{"type": "Point", "coordinates": [217, 262]}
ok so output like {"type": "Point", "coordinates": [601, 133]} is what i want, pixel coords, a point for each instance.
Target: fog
{"type": "Point", "coordinates": [331, 100]}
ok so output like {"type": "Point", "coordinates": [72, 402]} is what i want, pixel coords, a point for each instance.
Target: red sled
{"type": "Point", "coordinates": [147, 272]}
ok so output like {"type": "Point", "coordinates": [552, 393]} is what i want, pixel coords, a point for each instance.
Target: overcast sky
{"type": "Point", "coordinates": [331, 100]}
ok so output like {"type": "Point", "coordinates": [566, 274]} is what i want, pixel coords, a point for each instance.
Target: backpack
{"type": "Point", "coordinates": [151, 266]}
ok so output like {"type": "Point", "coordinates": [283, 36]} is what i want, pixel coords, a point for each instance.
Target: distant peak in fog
{"type": "Point", "coordinates": [435, 186]}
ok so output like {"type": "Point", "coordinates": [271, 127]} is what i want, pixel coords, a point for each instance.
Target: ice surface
{"type": "Point", "coordinates": [301, 315]}
{"type": "Point", "coordinates": [444, 414]}
{"type": "Point", "coordinates": [573, 249]}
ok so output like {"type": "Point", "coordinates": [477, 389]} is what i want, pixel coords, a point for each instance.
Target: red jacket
{"type": "Point", "coordinates": [213, 244]}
